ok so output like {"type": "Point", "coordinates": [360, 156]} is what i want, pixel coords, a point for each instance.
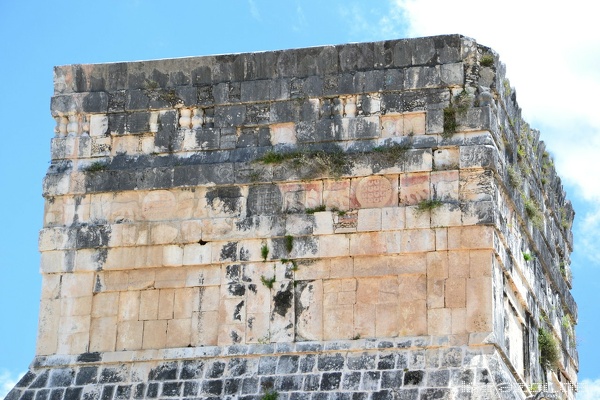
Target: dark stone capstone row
{"type": "Point", "coordinates": [382, 373]}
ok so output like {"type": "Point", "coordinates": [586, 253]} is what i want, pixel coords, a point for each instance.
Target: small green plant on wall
{"type": "Point", "coordinates": [270, 395]}
{"type": "Point", "coordinates": [527, 256]}
{"type": "Point", "coordinates": [268, 282]}
{"type": "Point", "coordinates": [289, 243]}
{"type": "Point", "coordinates": [264, 251]}
{"type": "Point", "coordinates": [549, 353]}
{"type": "Point", "coordinates": [428, 205]}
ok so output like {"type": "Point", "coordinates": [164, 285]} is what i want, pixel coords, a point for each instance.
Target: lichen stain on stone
{"type": "Point", "coordinates": [233, 272]}
{"type": "Point", "coordinates": [283, 300]}
{"type": "Point", "coordinates": [229, 252]}
{"type": "Point", "coordinates": [228, 199]}
{"type": "Point", "coordinates": [236, 289]}
{"type": "Point", "coordinates": [237, 313]}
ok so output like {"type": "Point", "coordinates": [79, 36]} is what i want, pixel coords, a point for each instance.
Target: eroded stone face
{"type": "Point", "coordinates": [340, 219]}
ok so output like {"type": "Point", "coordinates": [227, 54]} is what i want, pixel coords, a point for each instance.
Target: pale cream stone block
{"type": "Point", "coordinates": [392, 218]}
{"type": "Point", "coordinates": [386, 317]}
{"type": "Point", "coordinates": [479, 304]}
{"type": "Point", "coordinates": [74, 343]}
{"type": "Point", "coordinates": [53, 239]}
{"type": "Point", "coordinates": [232, 311]}
{"type": "Point", "coordinates": [323, 223]}
{"type": "Point", "coordinates": [471, 237]}
{"type": "Point", "coordinates": [74, 324]}
{"type": "Point", "coordinates": [392, 125]}
{"type": "Point", "coordinates": [103, 334]}
{"type": "Point", "coordinates": [140, 279]}
{"type": "Point", "coordinates": [336, 194]}
{"type": "Point", "coordinates": [373, 266]}
{"type": "Point", "coordinates": [203, 276]}
{"type": "Point", "coordinates": [393, 242]}
{"type": "Point", "coordinates": [334, 246]}
{"type": "Point", "coordinates": [330, 299]}
{"type": "Point", "coordinates": [197, 254]}
{"type": "Point", "coordinates": [155, 334]}
{"type": "Point", "coordinates": [309, 321]}
{"type": "Point", "coordinates": [437, 264]}
{"type": "Point", "coordinates": [374, 191]}
{"type": "Point", "coordinates": [125, 209]}
{"type": "Point", "coordinates": [170, 278]}
{"type": "Point", "coordinates": [51, 284]}
{"type": "Point", "coordinates": [414, 188]}
{"type": "Point", "coordinates": [283, 133]}
{"type": "Point", "coordinates": [448, 214]}
{"type": "Point", "coordinates": [458, 263]}
{"type": "Point", "coordinates": [164, 233]}
{"type": "Point", "coordinates": [231, 334]}
{"type": "Point", "coordinates": [444, 185]}
{"type": "Point", "coordinates": [346, 298]}
{"type": "Point", "coordinates": [153, 255]}
{"type": "Point", "coordinates": [480, 263]}
{"type": "Point", "coordinates": [205, 328]}
{"type": "Point", "coordinates": [435, 293]}
{"type": "Point", "coordinates": [337, 322]}
{"type": "Point", "coordinates": [52, 262]}
{"type": "Point", "coordinates": [127, 144]}
{"type": "Point", "coordinates": [98, 124]}
{"type": "Point", "coordinates": [77, 284]}
{"type": "Point", "coordinates": [364, 323]}
{"type": "Point", "coordinates": [476, 186]}
{"type": "Point", "coordinates": [416, 218]}
{"type": "Point", "coordinates": [76, 306]}
{"type": "Point", "coordinates": [87, 260]}
{"type": "Point", "coordinates": [313, 269]}
{"type": "Point", "coordinates": [446, 158]}
{"type": "Point", "coordinates": [147, 144]}
{"type": "Point", "coordinates": [129, 305]}
{"type": "Point", "coordinates": [412, 318]}
{"type": "Point", "coordinates": [459, 319]}
{"type": "Point", "coordinates": [409, 263]}
{"type": "Point", "coordinates": [258, 299]}
{"type": "Point", "coordinates": [49, 318]}
{"type": "Point", "coordinates": [257, 328]}
{"type": "Point", "coordinates": [342, 267]}
{"type": "Point", "coordinates": [414, 123]}
{"type": "Point", "coordinates": [166, 300]}
{"type": "Point", "coordinates": [368, 243]}
{"type": "Point", "coordinates": [53, 212]}
{"type": "Point", "coordinates": [439, 321]}
{"type": "Point", "coordinates": [418, 240]}
{"type": "Point", "coordinates": [441, 239]}
{"type": "Point", "coordinates": [129, 335]}
{"type": "Point", "coordinates": [115, 280]}
{"type": "Point", "coordinates": [191, 231]}
{"type": "Point", "coordinates": [367, 291]}
{"type": "Point", "coordinates": [172, 256]}
{"type": "Point", "coordinates": [149, 304]}
{"type": "Point", "coordinates": [412, 287]}
{"type": "Point", "coordinates": [369, 219]}
{"type": "Point", "coordinates": [388, 291]}
{"type": "Point", "coordinates": [210, 298]}
{"type": "Point", "coordinates": [159, 205]}
{"type": "Point", "coordinates": [455, 292]}
{"type": "Point", "coordinates": [101, 146]}
{"type": "Point", "coordinates": [185, 302]}
{"type": "Point", "coordinates": [179, 332]}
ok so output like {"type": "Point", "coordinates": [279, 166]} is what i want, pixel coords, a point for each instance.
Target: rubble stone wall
{"type": "Point", "coordinates": [368, 220]}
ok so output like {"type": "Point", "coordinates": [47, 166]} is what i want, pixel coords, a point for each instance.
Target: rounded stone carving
{"type": "Point", "coordinates": [374, 191]}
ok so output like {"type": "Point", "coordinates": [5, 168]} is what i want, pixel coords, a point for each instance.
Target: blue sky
{"type": "Point", "coordinates": [551, 54]}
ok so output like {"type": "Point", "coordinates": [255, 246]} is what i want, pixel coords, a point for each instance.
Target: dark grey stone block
{"type": "Point", "coordinates": [330, 381]}
{"type": "Point", "coordinates": [95, 102]}
{"type": "Point", "coordinates": [171, 389]}
{"type": "Point", "coordinates": [86, 375]}
{"type": "Point", "coordinates": [117, 101]}
{"type": "Point", "coordinates": [123, 392]}
{"type": "Point", "coordinates": [362, 361]}
{"type": "Point", "coordinates": [311, 382]}
{"type": "Point", "coordinates": [414, 378]}
{"type": "Point", "coordinates": [229, 116]}
{"type": "Point", "coordinates": [43, 394]}
{"type": "Point", "coordinates": [356, 56]}
{"type": "Point", "coordinates": [61, 377]}
{"type": "Point", "coordinates": [330, 362]}
{"type": "Point", "coordinates": [201, 75]}
{"type": "Point", "coordinates": [29, 395]}
{"type": "Point", "coordinates": [307, 362]}
{"type": "Point", "coordinates": [108, 391]}
{"type": "Point", "coordinates": [137, 99]}
{"type": "Point", "coordinates": [57, 394]}
{"type": "Point", "coordinates": [257, 114]}
{"type": "Point", "coordinates": [41, 380]}
{"type": "Point", "coordinates": [116, 76]}
{"type": "Point", "coordinates": [165, 371]}
{"type": "Point", "coordinates": [370, 380]}
{"type": "Point", "coordinates": [255, 90]}
{"type": "Point", "coordinates": [288, 383]}
{"type": "Point", "coordinates": [438, 378]}
{"type": "Point", "coordinates": [391, 379]}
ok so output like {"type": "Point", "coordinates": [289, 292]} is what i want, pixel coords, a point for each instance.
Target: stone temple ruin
{"type": "Point", "coordinates": [363, 221]}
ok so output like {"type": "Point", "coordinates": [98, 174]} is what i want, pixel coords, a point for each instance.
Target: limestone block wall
{"type": "Point", "coordinates": [369, 220]}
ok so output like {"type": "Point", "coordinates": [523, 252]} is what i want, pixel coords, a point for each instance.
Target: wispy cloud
{"type": "Point", "coordinates": [8, 381]}
{"type": "Point", "coordinates": [254, 10]}
{"type": "Point", "coordinates": [300, 18]}
{"type": "Point", "coordinates": [589, 389]}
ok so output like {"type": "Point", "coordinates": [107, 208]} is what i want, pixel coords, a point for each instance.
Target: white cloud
{"type": "Point", "coordinates": [589, 389]}
{"type": "Point", "coordinates": [254, 10]}
{"type": "Point", "coordinates": [8, 381]}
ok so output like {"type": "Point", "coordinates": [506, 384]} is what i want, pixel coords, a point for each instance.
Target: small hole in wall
{"type": "Point", "coordinates": [202, 242]}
